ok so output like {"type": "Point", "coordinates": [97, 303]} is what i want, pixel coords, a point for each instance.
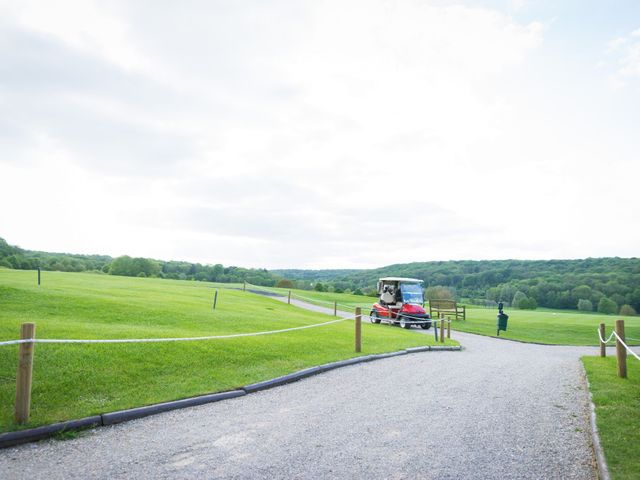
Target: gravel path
{"type": "Point", "coordinates": [496, 410]}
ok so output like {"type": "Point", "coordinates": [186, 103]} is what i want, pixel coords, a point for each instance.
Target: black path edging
{"type": "Point", "coordinates": [601, 462]}
{"type": "Point", "coordinates": [133, 413]}
{"type": "Point", "coordinates": [10, 439]}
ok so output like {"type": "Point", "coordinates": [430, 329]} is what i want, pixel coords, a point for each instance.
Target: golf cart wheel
{"type": "Point", "coordinates": [404, 323]}
{"type": "Point", "coordinates": [426, 325]}
{"type": "Point", "coordinates": [374, 317]}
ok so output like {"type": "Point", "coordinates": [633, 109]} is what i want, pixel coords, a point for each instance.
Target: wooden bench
{"type": "Point", "coordinates": [448, 308]}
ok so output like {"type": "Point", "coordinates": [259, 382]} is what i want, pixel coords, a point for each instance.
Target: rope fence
{"type": "Point", "coordinates": [622, 349]}
{"type": "Point", "coordinates": [28, 340]}
{"type": "Point", "coordinates": [179, 339]}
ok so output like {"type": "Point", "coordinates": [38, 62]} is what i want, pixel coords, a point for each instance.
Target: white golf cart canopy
{"type": "Point", "coordinates": [401, 279]}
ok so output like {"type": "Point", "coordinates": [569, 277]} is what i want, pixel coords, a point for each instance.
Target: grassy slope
{"type": "Point", "coordinates": [617, 413]}
{"type": "Point", "coordinates": [72, 381]}
{"type": "Point", "coordinates": [542, 325]}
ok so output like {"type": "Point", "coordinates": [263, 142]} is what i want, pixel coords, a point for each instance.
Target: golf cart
{"type": "Point", "coordinates": [401, 303]}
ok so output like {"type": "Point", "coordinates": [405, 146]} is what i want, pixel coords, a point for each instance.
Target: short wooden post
{"type": "Point", "coordinates": [449, 328]}
{"type": "Point", "coordinates": [38, 276]}
{"type": "Point", "coordinates": [289, 298]}
{"type": "Point", "coordinates": [335, 309]}
{"type": "Point", "coordinates": [358, 330]}
{"type": "Point", "coordinates": [621, 352]}
{"type": "Point", "coordinates": [441, 328]}
{"type": "Point", "coordinates": [215, 299]}
{"type": "Point", "coordinates": [603, 346]}
{"type": "Point", "coordinates": [244, 286]}
{"type": "Point", "coordinates": [24, 374]}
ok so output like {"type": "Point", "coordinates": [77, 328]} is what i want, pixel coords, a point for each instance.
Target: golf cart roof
{"type": "Point", "coordinates": [401, 279]}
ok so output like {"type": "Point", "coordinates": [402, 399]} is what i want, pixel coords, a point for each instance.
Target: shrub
{"type": "Point", "coordinates": [608, 306]}
{"type": "Point", "coordinates": [627, 310]}
{"type": "Point", "coordinates": [585, 305]}
{"type": "Point", "coordinates": [319, 287]}
{"type": "Point", "coordinates": [357, 291]}
{"type": "Point", "coordinates": [284, 283]}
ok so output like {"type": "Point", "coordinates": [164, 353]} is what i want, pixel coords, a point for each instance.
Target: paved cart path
{"type": "Point", "coordinates": [498, 409]}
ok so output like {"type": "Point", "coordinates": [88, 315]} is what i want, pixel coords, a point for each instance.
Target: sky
{"type": "Point", "coordinates": [321, 134]}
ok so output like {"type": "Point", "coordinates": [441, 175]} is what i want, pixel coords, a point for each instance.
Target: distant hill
{"type": "Point", "coordinates": [550, 283]}
{"type": "Point", "coordinates": [314, 275]}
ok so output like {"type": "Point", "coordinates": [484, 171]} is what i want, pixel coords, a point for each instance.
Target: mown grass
{"type": "Point", "coordinates": [77, 380]}
{"type": "Point", "coordinates": [541, 326]}
{"type": "Point", "coordinates": [545, 326]}
{"type": "Point", "coordinates": [346, 302]}
{"type": "Point", "coordinates": [617, 404]}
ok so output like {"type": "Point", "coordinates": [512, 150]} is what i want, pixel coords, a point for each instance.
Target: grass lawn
{"type": "Point", "coordinates": [541, 326]}
{"type": "Point", "coordinates": [617, 404]}
{"type": "Point", "coordinates": [77, 380]}
{"type": "Point", "coordinates": [346, 302]}
{"type": "Point", "coordinates": [546, 326]}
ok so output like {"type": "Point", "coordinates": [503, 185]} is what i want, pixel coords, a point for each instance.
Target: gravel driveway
{"type": "Point", "coordinates": [498, 409]}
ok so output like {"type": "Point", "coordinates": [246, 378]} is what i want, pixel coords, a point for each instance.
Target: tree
{"type": "Point", "coordinates": [518, 298]}
{"type": "Point", "coordinates": [528, 303]}
{"type": "Point", "coordinates": [608, 306]}
{"type": "Point", "coordinates": [439, 292]}
{"type": "Point", "coordinates": [506, 293]}
{"type": "Point", "coordinates": [284, 283]}
{"type": "Point", "coordinates": [319, 287]}
{"type": "Point", "coordinates": [585, 305]}
{"type": "Point", "coordinates": [627, 310]}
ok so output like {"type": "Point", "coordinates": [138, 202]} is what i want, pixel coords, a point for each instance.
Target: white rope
{"type": "Point", "coordinates": [608, 339]}
{"type": "Point", "coordinates": [625, 345]}
{"type": "Point", "coordinates": [182, 339]}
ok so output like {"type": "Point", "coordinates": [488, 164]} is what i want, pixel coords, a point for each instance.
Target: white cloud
{"type": "Point", "coordinates": [627, 50]}
{"type": "Point", "coordinates": [279, 134]}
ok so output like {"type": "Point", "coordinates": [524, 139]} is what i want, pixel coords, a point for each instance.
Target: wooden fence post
{"type": "Point", "coordinates": [449, 329]}
{"type": "Point", "coordinates": [621, 352]}
{"type": "Point", "coordinates": [289, 298]}
{"type": "Point", "coordinates": [335, 309]}
{"type": "Point", "coordinates": [244, 286]}
{"type": "Point", "coordinates": [441, 328]}
{"type": "Point", "coordinates": [215, 299]}
{"type": "Point", "coordinates": [24, 374]}
{"type": "Point", "coordinates": [358, 330]}
{"type": "Point", "coordinates": [603, 346]}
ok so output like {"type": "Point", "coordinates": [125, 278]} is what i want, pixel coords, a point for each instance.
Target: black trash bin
{"type": "Point", "coordinates": [502, 319]}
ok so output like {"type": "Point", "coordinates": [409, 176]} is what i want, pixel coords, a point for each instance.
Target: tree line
{"type": "Point", "coordinates": [17, 258]}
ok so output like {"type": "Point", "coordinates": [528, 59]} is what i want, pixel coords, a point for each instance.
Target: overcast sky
{"type": "Point", "coordinates": [321, 134]}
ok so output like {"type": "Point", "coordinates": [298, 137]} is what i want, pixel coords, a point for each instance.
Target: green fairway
{"type": "Point", "coordinates": [540, 326]}
{"type": "Point", "coordinates": [544, 326]}
{"type": "Point", "coordinates": [346, 302]}
{"type": "Point", "coordinates": [77, 380]}
{"type": "Point", "coordinates": [617, 404]}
